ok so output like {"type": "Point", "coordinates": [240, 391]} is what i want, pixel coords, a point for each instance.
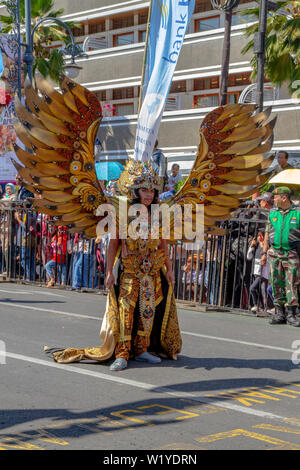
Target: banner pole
{"type": "Point", "coordinates": [145, 57]}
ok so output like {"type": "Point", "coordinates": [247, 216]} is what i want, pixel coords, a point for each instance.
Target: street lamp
{"type": "Point", "coordinates": [226, 6]}
{"type": "Point", "coordinates": [260, 49]}
{"type": "Point", "coordinates": [15, 78]}
{"type": "Point", "coordinates": [72, 69]}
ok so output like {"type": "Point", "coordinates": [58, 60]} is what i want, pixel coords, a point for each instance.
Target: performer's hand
{"type": "Point", "coordinates": [170, 277]}
{"type": "Point", "coordinates": [263, 260]}
{"type": "Point", "coordinates": [110, 280]}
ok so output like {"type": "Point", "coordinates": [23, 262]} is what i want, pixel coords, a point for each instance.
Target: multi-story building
{"type": "Point", "coordinates": [112, 32]}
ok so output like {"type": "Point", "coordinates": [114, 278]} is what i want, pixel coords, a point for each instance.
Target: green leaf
{"type": "Point", "coordinates": [179, 184]}
{"type": "Point", "coordinates": [6, 19]}
{"type": "Point", "coordinates": [56, 63]}
{"type": "Point", "coordinates": [282, 44]}
{"type": "Point", "coordinates": [42, 66]}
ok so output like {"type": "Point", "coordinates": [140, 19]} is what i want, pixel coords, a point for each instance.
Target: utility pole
{"type": "Point", "coordinates": [259, 50]}
{"type": "Point", "coordinates": [28, 56]}
{"type": "Point", "coordinates": [74, 51]}
{"type": "Point", "coordinates": [226, 6]}
{"type": "Point", "coordinates": [225, 58]}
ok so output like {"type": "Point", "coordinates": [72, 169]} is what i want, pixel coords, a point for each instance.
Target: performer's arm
{"type": "Point", "coordinates": [265, 249]}
{"type": "Point", "coordinates": [169, 275]}
{"type": "Point", "coordinates": [111, 255]}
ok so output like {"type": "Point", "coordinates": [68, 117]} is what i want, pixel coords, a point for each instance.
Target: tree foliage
{"type": "Point", "coordinates": [282, 45]}
{"type": "Point", "coordinates": [48, 61]}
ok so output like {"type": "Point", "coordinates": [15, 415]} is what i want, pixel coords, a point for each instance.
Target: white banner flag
{"type": "Point", "coordinates": [169, 21]}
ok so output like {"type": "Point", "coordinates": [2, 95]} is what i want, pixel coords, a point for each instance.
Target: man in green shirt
{"type": "Point", "coordinates": [282, 242]}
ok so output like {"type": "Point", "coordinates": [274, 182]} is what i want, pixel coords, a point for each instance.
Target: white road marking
{"type": "Point", "coordinates": [15, 292]}
{"type": "Point", "coordinates": [48, 310]}
{"type": "Point", "coordinates": [149, 387]}
{"type": "Point", "coordinates": [246, 343]}
{"type": "Point", "coordinates": [188, 333]}
{"type": "Point", "coordinates": [30, 292]}
{"type": "Point", "coordinates": [51, 294]}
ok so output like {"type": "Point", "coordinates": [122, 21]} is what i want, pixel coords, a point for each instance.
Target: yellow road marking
{"type": "Point", "coordinates": [121, 414]}
{"type": "Point", "coordinates": [249, 396]}
{"type": "Point", "coordinates": [43, 435]}
{"type": "Point", "coordinates": [17, 444]}
{"type": "Point", "coordinates": [204, 409]}
{"type": "Point", "coordinates": [236, 396]}
{"type": "Point", "coordinates": [284, 392]}
{"type": "Point", "coordinates": [280, 444]}
{"type": "Point", "coordinates": [272, 427]}
{"type": "Point", "coordinates": [186, 414]}
{"type": "Point", "coordinates": [180, 446]}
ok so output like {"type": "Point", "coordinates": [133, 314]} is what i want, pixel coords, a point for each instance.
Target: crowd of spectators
{"type": "Point", "coordinates": [33, 247]}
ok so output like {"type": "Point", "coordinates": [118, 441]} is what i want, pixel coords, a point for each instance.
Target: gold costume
{"type": "Point", "coordinates": [60, 129]}
{"type": "Point", "coordinates": [134, 308]}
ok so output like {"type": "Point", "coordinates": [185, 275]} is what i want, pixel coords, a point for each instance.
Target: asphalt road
{"type": "Point", "coordinates": [235, 385]}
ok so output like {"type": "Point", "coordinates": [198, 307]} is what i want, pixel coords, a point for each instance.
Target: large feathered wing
{"type": "Point", "coordinates": [231, 163]}
{"type": "Point", "coordinates": [59, 130]}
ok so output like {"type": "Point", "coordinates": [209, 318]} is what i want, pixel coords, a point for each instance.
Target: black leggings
{"type": "Point", "coordinates": [257, 288]}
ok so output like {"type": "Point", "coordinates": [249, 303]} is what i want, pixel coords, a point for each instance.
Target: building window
{"type": "Point", "coordinates": [233, 97]}
{"type": "Point", "coordinates": [123, 93]}
{"type": "Point", "coordinates": [209, 83]}
{"type": "Point", "coordinates": [123, 39]}
{"type": "Point", "coordinates": [178, 87]}
{"type": "Point", "coordinates": [101, 95]}
{"type": "Point", "coordinates": [142, 36]}
{"type": "Point", "coordinates": [143, 17]}
{"type": "Point", "coordinates": [123, 22]}
{"type": "Point", "coordinates": [96, 27]}
{"type": "Point", "coordinates": [79, 31]}
{"type": "Point", "coordinates": [202, 5]}
{"type": "Point", "coordinates": [123, 109]}
{"type": "Point", "coordinates": [206, 101]}
{"type": "Point", "coordinates": [206, 24]}
{"type": "Point", "coordinates": [239, 79]}
{"type": "Point", "coordinates": [242, 19]}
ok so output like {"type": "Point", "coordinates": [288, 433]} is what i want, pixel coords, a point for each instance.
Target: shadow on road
{"type": "Point", "coordinates": [109, 422]}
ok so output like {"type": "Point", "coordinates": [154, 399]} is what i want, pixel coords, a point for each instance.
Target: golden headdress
{"type": "Point", "coordinates": [137, 175]}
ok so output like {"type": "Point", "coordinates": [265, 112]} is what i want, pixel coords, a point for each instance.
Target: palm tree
{"type": "Point", "coordinates": [226, 6]}
{"type": "Point", "coordinates": [282, 45]}
{"type": "Point", "coordinates": [48, 61]}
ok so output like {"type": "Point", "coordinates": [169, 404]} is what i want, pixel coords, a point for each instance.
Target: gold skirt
{"type": "Point", "coordinates": [169, 333]}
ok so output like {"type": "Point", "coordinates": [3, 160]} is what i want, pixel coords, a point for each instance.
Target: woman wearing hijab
{"type": "Point", "coordinates": [9, 193]}
{"type": "Point", "coordinates": [6, 223]}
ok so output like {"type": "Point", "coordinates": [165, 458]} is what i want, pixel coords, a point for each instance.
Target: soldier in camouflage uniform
{"type": "Point", "coordinates": [283, 237]}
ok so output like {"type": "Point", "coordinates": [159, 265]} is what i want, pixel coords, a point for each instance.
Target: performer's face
{"type": "Point", "coordinates": [146, 196]}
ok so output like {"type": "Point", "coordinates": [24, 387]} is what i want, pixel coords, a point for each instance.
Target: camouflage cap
{"type": "Point", "coordinates": [282, 190]}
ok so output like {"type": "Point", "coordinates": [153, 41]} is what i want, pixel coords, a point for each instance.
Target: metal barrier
{"type": "Point", "coordinates": [220, 275]}
{"type": "Point", "coordinates": [34, 249]}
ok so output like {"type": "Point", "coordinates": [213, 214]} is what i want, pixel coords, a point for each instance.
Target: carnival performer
{"type": "Point", "coordinates": [141, 313]}
{"type": "Point", "coordinates": [141, 317]}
